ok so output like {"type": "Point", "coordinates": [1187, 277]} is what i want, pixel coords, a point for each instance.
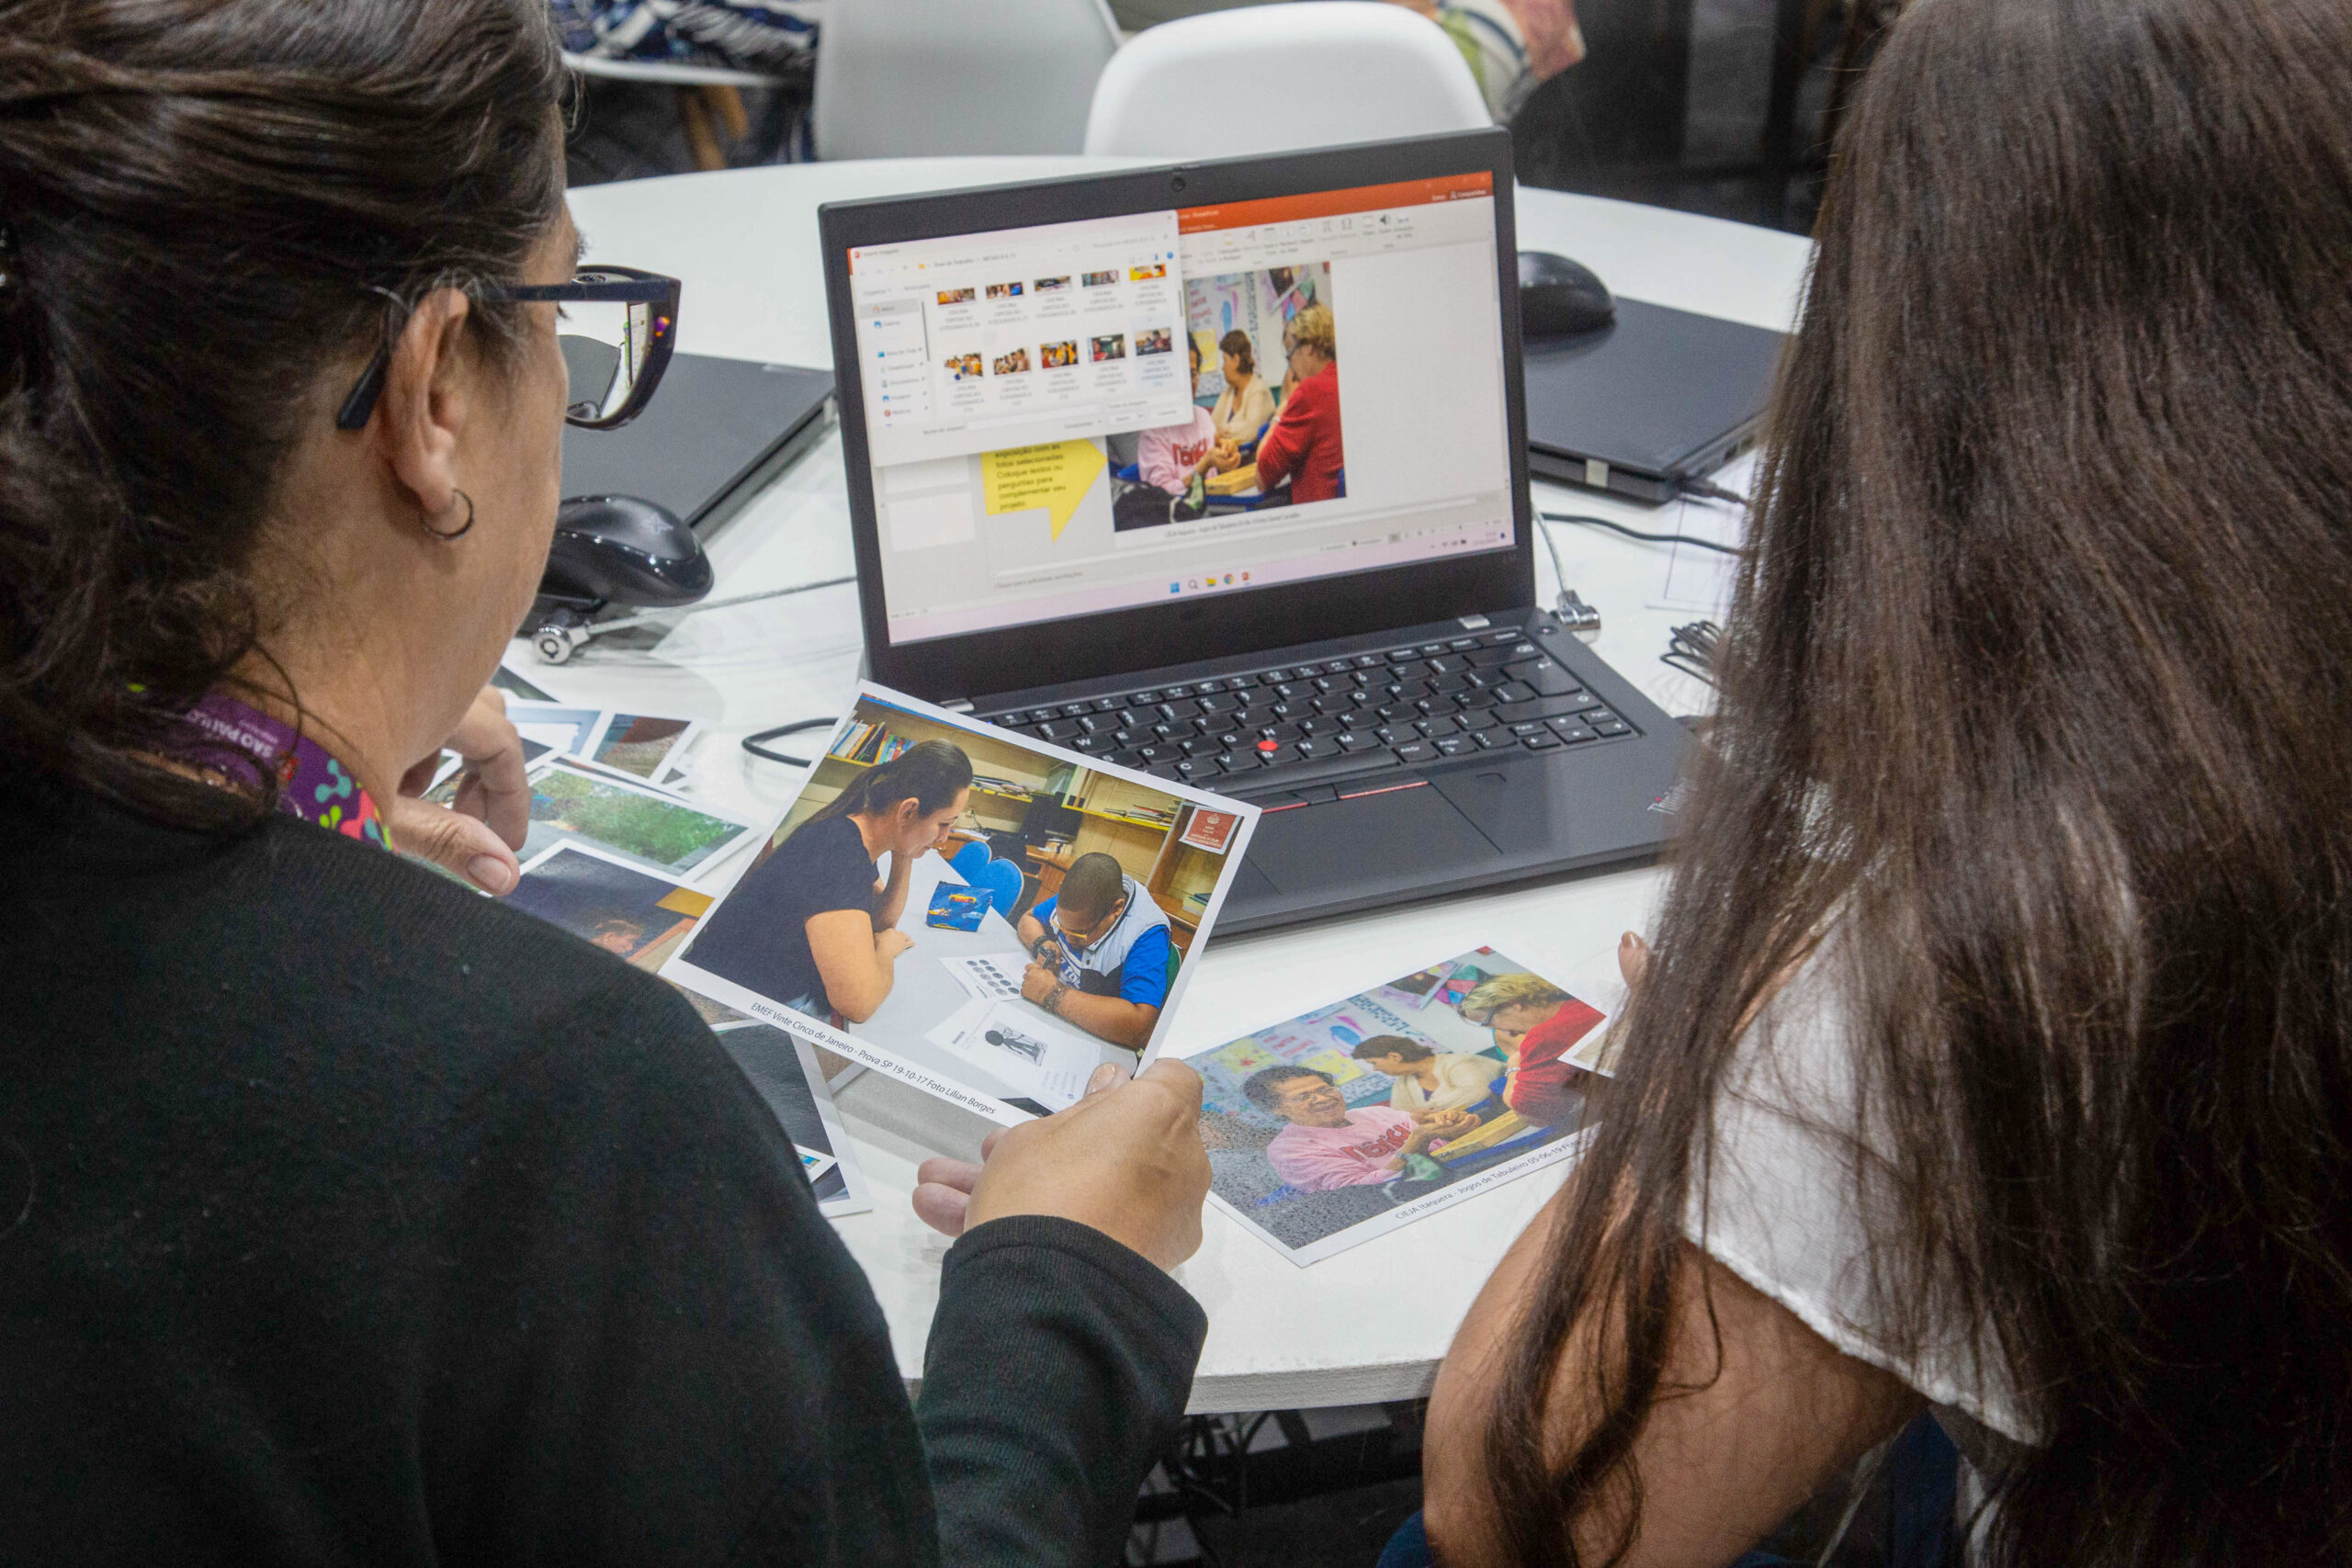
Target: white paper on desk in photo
{"type": "Point", "coordinates": [989, 974]}
{"type": "Point", "coordinates": [1056, 1064]}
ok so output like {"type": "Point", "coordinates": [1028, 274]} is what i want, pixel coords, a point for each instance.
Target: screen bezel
{"type": "Point", "coordinates": [1153, 635]}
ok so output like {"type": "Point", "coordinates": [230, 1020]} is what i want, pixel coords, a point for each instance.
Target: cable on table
{"type": "Point", "coordinates": [751, 742]}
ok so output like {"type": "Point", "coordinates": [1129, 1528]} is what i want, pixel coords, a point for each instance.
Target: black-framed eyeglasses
{"type": "Point", "coordinates": [619, 328]}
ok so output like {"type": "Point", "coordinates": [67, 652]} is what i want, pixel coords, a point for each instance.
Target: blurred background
{"type": "Point", "coordinates": [1719, 107]}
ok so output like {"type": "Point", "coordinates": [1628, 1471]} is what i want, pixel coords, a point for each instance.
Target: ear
{"type": "Point", "coordinates": [422, 415]}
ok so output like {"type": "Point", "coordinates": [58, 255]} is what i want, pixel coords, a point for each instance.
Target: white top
{"type": "Point", "coordinates": [745, 241]}
{"type": "Point", "coordinates": [1464, 1078]}
{"type": "Point", "coordinates": [1782, 1209]}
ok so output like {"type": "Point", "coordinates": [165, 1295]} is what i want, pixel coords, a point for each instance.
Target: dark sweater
{"type": "Point", "coordinates": [345, 1216]}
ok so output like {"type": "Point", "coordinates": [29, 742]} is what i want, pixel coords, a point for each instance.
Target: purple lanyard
{"type": "Point", "coordinates": [311, 784]}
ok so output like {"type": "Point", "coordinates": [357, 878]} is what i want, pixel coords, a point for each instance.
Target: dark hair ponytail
{"type": "Point", "coordinates": [198, 200]}
{"type": "Point", "coordinates": [931, 773]}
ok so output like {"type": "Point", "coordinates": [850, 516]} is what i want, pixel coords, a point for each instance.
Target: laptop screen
{"type": "Point", "coordinates": [1072, 418]}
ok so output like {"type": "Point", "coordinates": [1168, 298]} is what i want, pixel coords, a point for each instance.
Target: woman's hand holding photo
{"type": "Point", "coordinates": [1125, 1160]}
{"type": "Point", "coordinates": [477, 834]}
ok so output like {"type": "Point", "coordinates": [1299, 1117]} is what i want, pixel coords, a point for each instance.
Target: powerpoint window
{"type": "Point", "coordinates": [1043, 447]}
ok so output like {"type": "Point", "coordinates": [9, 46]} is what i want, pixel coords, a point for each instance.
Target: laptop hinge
{"type": "Point", "coordinates": [957, 705]}
{"type": "Point", "coordinates": [1474, 623]}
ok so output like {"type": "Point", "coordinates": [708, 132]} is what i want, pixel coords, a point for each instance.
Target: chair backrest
{"type": "Point", "coordinates": [1277, 78]}
{"type": "Point", "coordinates": [970, 862]}
{"type": "Point", "coordinates": [913, 78]}
{"type": "Point", "coordinates": [1003, 881]}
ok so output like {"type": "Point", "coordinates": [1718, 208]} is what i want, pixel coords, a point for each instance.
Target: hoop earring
{"type": "Point", "coordinates": [452, 535]}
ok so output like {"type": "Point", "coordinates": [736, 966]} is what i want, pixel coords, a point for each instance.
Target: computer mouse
{"type": "Point", "coordinates": [622, 550]}
{"type": "Point", "coordinates": [1557, 297]}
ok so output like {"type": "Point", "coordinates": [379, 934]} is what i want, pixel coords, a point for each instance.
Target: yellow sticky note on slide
{"type": "Point", "coordinates": [1054, 475]}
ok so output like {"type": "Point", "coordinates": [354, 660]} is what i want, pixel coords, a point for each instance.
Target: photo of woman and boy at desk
{"type": "Point", "coordinates": [1247, 445]}
{"type": "Point", "coordinates": [980, 910]}
{"type": "Point", "coordinates": [1334, 1126]}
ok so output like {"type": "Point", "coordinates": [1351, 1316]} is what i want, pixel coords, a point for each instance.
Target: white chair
{"type": "Point", "coordinates": [906, 78]}
{"type": "Point", "coordinates": [1276, 78]}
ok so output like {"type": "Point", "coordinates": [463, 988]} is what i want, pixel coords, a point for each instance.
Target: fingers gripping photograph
{"type": "Point", "coordinates": [1419, 783]}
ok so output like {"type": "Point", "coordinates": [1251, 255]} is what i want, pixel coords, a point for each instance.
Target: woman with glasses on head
{"type": "Point", "coordinates": [1994, 1058]}
{"type": "Point", "coordinates": [343, 1213]}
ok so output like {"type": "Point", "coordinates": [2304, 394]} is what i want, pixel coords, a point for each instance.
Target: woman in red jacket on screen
{"type": "Point", "coordinates": [1303, 445]}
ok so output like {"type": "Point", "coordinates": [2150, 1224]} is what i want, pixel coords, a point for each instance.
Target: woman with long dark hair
{"type": "Point", "coordinates": [345, 1214]}
{"type": "Point", "coordinates": [812, 924]}
{"type": "Point", "coordinates": [1994, 1054]}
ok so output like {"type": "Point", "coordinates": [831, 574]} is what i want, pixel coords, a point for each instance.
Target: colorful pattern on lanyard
{"type": "Point", "coordinates": [311, 784]}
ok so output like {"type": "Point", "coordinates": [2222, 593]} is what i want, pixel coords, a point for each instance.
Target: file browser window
{"type": "Point", "coordinates": [1043, 447]}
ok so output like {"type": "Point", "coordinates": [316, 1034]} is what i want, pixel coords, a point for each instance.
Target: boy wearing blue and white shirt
{"type": "Point", "coordinates": [1102, 952]}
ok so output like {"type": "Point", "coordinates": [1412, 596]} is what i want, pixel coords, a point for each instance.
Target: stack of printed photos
{"type": "Point", "coordinates": [615, 840]}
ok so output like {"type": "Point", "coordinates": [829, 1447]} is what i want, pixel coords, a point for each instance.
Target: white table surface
{"type": "Point", "coordinates": [1372, 1323]}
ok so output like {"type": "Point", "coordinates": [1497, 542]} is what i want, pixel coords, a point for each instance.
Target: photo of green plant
{"type": "Point", "coordinates": [641, 825]}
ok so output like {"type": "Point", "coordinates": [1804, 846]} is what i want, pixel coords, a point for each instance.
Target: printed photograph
{"type": "Point", "coordinates": [783, 1070]}
{"type": "Point", "coordinates": [963, 366]}
{"type": "Point", "coordinates": [1056, 355]}
{"type": "Point", "coordinates": [1111, 345]}
{"type": "Point", "coordinates": [983, 915]}
{"type": "Point", "coordinates": [558, 727]}
{"type": "Point", "coordinates": [1159, 340]}
{"type": "Point", "coordinates": [1141, 273]}
{"type": "Point", "coordinates": [957, 295]}
{"type": "Point", "coordinates": [1047, 285]}
{"type": "Point", "coordinates": [644, 826]}
{"type": "Point", "coordinates": [631, 914]}
{"type": "Point", "coordinates": [1344, 1123]}
{"type": "Point", "coordinates": [1100, 279]}
{"type": "Point", "coordinates": [1004, 291]}
{"type": "Point", "coordinates": [1011, 364]}
{"type": "Point", "coordinates": [643, 744]}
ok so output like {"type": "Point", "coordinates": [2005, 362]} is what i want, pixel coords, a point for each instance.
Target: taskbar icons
{"type": "Point", "coordinates": [1204, 584]}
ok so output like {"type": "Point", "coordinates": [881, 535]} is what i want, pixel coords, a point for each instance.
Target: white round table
{"type": "Point", "coordinates": [1371, 1323]}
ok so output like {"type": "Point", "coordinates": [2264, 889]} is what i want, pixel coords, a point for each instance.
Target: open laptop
{"type": "Point", "coordinates": [1356, 648]}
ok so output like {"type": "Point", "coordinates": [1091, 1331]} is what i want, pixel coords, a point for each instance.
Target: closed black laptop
{"type": "Point", "coordinates": [1655, 398]}
{"type": "Point", "coordinates": [1332, 613]}
{"type": "Point", "coordinates": [718, 426]}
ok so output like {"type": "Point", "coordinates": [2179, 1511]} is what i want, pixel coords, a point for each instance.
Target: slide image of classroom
{"type": "Point", "coordinates": [1144, 273]}
{"type": "Point", "coordinates": [1030, 818]}
{"type": "Point", "coordinates": [1100, 279]}
{"type": "Point", "coordinates": [1111, 346]}
{"type": "Point", "coordinates": [1011, 363]}
{"type": "Point", "coordinates": [963, 366]}
{"type": "Point", "coordinates": [1321, 1128]}
{"type": "Point", "coordinates": [1056, 356]}
{"type": "Point", "coordinates": [957, 296]}
{"type": "Point", "coordinates": [1003, 291]}
{"type": "Point", "coordinates": [1047, 285]}
{"type": "Point", "coordinates": [1159, 340]}
{"type": "Point", "coordinates": [1151, 472]}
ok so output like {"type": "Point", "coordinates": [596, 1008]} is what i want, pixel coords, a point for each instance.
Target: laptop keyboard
{"type": "Point", "coordinates": [1295, 725]}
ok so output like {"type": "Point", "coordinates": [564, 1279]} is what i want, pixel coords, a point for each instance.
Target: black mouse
{"type": "Point", "coordinates": [1557, 297]}
{"type": "Point", "coordinates": [620, 549]}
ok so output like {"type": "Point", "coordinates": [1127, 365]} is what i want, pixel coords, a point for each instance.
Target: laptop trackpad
{"type": "Point", "coordinates": [1397, 837]}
